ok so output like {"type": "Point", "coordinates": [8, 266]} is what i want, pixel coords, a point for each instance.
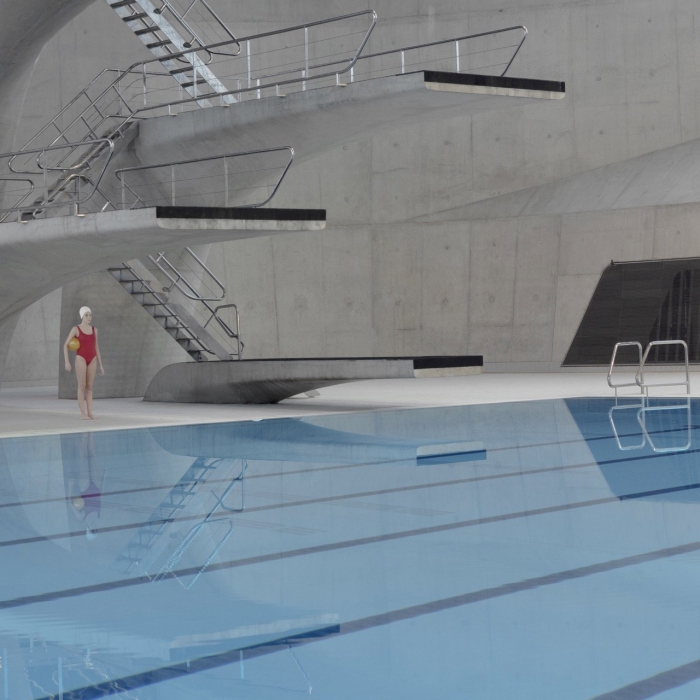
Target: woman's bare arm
{"type": "Point", "coordinates": [73, 333]}
{"type": "Point", "coordinates": [97, 351]}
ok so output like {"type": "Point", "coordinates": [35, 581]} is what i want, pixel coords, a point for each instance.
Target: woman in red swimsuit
{"type": "Point", "coordinates": [86, 361]}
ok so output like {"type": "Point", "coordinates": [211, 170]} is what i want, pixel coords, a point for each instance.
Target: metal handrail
{"type": "Point", "coordinates": [233, 335]}
{"type": "Point", "coordinates": [258, 86]}
{"type": "Point", "coordinates": [57, 187]}
{"type": "Point", "coordinates": [640, 372]}
{"type": "Point", "coordinates": [181, 19]}
{"type": "Point", "coordinates": [612, 366]}
{"type": "Point", "coordinates": [22, 199]}
{"type": "Point", "coordinates": [190, 292]}
{"type": "Point", "coordinates": [456, 41]}
{"type": "Point", "coordinates": [334, 73]}
{"type": "Point", "coordinates": [172, 164]}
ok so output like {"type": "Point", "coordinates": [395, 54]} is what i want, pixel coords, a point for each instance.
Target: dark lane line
{"type": "Point", "coordinates": [655, 685]}
{"type": "Point", "coordinates": [673, 678]}
{"type": "Point", "coordinates": [330, 499]}
{"type": "Point", "coordinates": [316, 549]}
{"type": "Point", "coordinates": [144, 489]}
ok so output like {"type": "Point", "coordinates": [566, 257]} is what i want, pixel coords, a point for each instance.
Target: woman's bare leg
{"type": "Point", "coordinates": [90, 380]}
{"type": "Point", "coordinates": [81, 371]}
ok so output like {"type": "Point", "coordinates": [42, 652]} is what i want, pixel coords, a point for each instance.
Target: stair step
{"type": "Point", "coordinates": [158, 44]}
{"type": "Point", "coordinates": [122, 3]}
{"type": "Point", "coordinates": [138, 15]}
{"type": "Point", "coordinates": [147, 30]}
{"type": "Point", "coordinates": [177, 71]}
{"type": "Point", "coordinates": [202, 81]}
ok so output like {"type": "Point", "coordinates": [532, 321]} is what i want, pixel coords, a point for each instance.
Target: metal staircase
{"type": "Point", "coordinates": [177, 321]}
{"type": "Point", "coordinates": [160, 26]}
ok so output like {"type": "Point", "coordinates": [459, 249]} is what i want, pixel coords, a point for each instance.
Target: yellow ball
{"type": "Point", "coordinates": [74, 344]}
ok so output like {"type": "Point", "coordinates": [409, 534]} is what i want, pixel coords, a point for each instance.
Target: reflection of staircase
{"type": "Point", "coordinates": [174, 318]}
{"type": "Point", "coordinates": [176, 500]}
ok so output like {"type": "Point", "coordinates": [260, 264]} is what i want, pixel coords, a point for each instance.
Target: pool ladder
{"type": "Point", "coordinates": [643, 407]}
{"type": "Point", "coordinates": [639, 380]}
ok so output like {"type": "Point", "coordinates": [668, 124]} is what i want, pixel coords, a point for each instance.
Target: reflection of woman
{"type": "Point", "coordinates": [84, 479]}
{"type": "Point", "coordinates": [87, 358]}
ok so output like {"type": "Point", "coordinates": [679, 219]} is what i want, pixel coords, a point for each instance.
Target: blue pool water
{"type": "Point", "coordinates": [526, 550]}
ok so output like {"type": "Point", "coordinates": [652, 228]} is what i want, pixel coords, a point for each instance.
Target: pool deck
{"type": "Point", "coordinates": [38, 411]}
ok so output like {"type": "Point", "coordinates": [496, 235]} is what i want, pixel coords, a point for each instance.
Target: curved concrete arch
{"type": "Point", "coordinates": [26, 27]}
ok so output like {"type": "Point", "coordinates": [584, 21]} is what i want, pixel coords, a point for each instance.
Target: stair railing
{"type": "Point", "coordinates": [17, 207]}
{"type": "Point", "coordinates": [251, 79]}
{"type": "Point", "coordinates": [233, 334]}
{"type": "Point", "coordinates": [179, 281]}
{"type": "Point", "coordinates": [65, 191]}
{"type": "Point", "coordinates": [205, 17]}
{"type": "Point", "coordinates": [166, 188]}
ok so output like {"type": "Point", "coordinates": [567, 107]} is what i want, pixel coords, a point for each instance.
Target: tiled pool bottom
{"type": "Point", "coordinates": [524, 550]}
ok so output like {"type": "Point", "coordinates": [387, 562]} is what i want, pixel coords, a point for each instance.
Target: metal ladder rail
{"type": "Point", "coordinates": [612, 366]}
{"type": "Point", "coordinates": [639, 378]}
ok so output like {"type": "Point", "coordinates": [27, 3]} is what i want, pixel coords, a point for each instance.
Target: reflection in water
{"type": "Point", "coordinates": [84, 481]}
{"type": "Point", "coordinates": [665, 425]}
{"type": "Point", "coordinates": [396, 554]}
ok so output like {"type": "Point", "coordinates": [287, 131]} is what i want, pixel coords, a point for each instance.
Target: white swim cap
{"type": "Point", "coordinates": [83, 311]}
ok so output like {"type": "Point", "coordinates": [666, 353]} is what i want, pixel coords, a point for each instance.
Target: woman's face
{"type": "Point", "coordinates": [87, 317]}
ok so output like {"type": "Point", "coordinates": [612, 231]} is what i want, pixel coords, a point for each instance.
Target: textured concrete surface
{"type": "Point", "coordinates": [668, 176]}
{"type": "Point", "coordinates": [35, 411]}
{"type": "Point", "coordinates": [271, 381]}
{"type": "Point", "coordinates": [375, 285]}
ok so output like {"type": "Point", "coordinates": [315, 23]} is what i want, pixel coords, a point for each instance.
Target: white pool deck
{"type": "Point", "coordinates": [38, 411]}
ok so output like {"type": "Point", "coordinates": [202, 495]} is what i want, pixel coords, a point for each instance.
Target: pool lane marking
{"type": "Point", "coordinates": [364, 494]}
{"type": "Point", "coordinates": [322, 548]}
{"type": "Point", "coordinates": [655, 685]}
{"type": "Point", "coordinates": [295, 472]}
{"type": "Point", "coordinates": [207, 663]}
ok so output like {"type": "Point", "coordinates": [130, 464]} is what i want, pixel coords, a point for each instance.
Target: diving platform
{"type": "Point", "coordinates": [320, 119]}
{"type": "Point", "coordinates": [271, 381]}
{"type": "Point", "coordinates": [41, 255]}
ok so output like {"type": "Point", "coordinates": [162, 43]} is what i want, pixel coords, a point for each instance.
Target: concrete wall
{"type": "Point", "coordinates": [512, 289]}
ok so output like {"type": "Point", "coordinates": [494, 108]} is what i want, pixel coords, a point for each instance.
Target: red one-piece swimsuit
{"type": "Point", "coordinates": [87, 346]}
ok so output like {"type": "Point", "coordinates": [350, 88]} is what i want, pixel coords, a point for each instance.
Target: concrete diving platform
{"type": "Point", "coordinates": [317, 120]}
{"type": "Point", "coordinates": [270, 381]}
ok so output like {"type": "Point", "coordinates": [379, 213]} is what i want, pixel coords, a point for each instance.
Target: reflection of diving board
{"type": "Point", "coordinates": [270, 381]}
{"type": "Point", "coordinates": [450, 453]}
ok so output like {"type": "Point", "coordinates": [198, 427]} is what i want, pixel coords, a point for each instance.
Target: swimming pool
{"type": "Point", "coordinates": [547, 549]}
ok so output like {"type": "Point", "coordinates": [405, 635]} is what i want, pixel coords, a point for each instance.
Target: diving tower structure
{"type": "Point", "coordinates": [90, 189]}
